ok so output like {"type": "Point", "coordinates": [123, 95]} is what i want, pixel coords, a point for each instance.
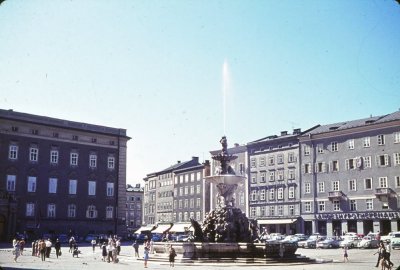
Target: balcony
{"type": "Point", "coordinates": [384, 193]}
{"type": "Point", "coordinates": [335, 195]}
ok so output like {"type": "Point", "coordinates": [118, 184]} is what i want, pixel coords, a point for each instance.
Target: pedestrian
{"type": "Point", "coordinates": [104, 251]}
{"type": "Point", "coordinates": [381, 253]}
{"type": "Point", "coordinates": [172, 255]}
{"type": "Point", "coordinates": [345, 254]}
{"type": "Point", "coordinates": [136, 247]}
{"type": "Point", "coordinates": [22, 246]}
{"type": "Point", "coordinates": [388, 251]}
{"type": "Point", "coordinates": [33, 248]}
{"type": "Point", "coordinates": [71, 244]}
{"type": "Point", "coordinates": [109, 251]}
{"type": "Point", "coordinates": [57, 246]}
{"type": "Point", "coordinates": [146, 256]}
{"type": "Point", "coordinates": [48, 248]}
{"type": "Point", "coordinates": [93, 242]}
{"type": "Point", "coordinates": [118, 245]}
{"type": "Point", "coordinates": [16, 249]}
{"type": "Point", "coordinates": [42, 250]}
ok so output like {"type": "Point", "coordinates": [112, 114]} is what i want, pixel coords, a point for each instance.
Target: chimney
{"type": "Point", "coordinates": [178, 161]}
{"type": "Point", "coordinates": [283, 133]}
{"type": "Point", "coordinates": [195, 159]}
{"type": "Point", "coordinates": [137, 185]}
{"type": "Point", "coordinates": [296, 131]}
{"type": "Point", "coordinates": [236, 145]}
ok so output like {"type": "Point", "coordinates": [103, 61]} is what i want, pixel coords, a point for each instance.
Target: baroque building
{"type": "Point", "coordinates": [60, 176]}
{"type": "Point", "coordinates": [350, 176]}
{"type": "Point", "coordinates": [134, 205]}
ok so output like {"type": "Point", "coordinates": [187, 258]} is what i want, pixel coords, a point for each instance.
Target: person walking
{"type": "Point", "coordinates": [388, 251]}
{"type": "Point", "coordinates": [104, 251]}
{"type": "Point", "coordinates": [93, 242]}
{"type": "Point", "coordinates": [145, 256]}
{"type": "Point", "coordinates": [42, 250]}
{"type": "Point", "coordinates": [345, 254]}
{"type": "Point", "coordinates": [381, 253]}
{"type": "Point", "coordinates": [136, 247]}
{"type": "Point", "coordinates": [118, 245]}
{"type": "Point", "coordinates": [22, 246]}
{"type": "Point", "coordinates": [16, 250]}
{"type": "Point", "coordinates": [71, 244]}
{"type": "Point", "coordinates": [48, 248]}
{"type": "Point", "coordinates": [172, 255]}
{"type": "Point", "coordinates": [57, 246]}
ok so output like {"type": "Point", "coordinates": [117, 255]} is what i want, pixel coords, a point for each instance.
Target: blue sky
{"type": "Point", "coordinates": [155, 68]}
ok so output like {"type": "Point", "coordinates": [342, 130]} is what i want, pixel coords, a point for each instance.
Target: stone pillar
{"type": "Point", "coordinates": [329, 228]}
{"type": "Point", "coordinates": [287, 229]}
{"type": "Point", "coordinates": [345, 227]}
{"type": "Point", "coordinates": [314, 226]}
{"type": "Point", "coordinates": [376, 226]}
{"type": "Point", "coordinates": [360, 227]}
{"type": "Point", "coordinates": [393, 225]}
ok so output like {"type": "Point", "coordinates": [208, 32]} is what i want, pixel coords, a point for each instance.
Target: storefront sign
{"type": "Point", "coordinates": [367, 215]}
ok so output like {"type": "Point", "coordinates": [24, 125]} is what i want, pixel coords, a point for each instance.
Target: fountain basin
{"type": "Point", "coordinates": [225, 179]}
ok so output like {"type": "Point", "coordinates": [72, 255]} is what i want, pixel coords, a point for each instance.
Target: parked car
{"type": "Point", "coordinates": [63, 238]}
{"type": "Point", "coordinates": [387, 238]}
{"type": "Point", "coordinates": [368, 242]}
{"type": "Point", "coordinates": [329, 242]}
{"type": "Point", "coordinates": [157, 237]}
{"type": "Point", "coordinates": [301, 236]}
{"type": "Point", "coordinates": [311, 242]}
{"type": "Point", "coordinates": [350, 241]}
{"type": "Point", "coordinates": [395, 240]}
{"type": "Point", "coordinates": [290, 239]}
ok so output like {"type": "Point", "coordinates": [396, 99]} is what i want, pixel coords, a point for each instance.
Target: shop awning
{"type": "Point", "coordinates": [161, 228]}
{"type": "Point", "coordinates": [181, 227]}
{"type": "Point", "coordinates": [276, 221]}
{"type": "Point", "coordinates": [145, 228]}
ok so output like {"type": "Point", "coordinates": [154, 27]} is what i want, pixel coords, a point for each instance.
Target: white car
{"type": "Point", "coordinates": [368, 242]}
{"type": "Point", "coordinates": [387, 238]}
{"type": "Point", "coordinates": [395, 240]}
{"type": "Point", "coordinates": [350, 241]}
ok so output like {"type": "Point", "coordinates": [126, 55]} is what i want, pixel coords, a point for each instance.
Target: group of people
{"type": "Point", "coordinates": [384, 256]}
{"type": "Point", "coordinates": [110, 249]}
{"type": "Point", "coordinates": [18, 248]}
{"type": "Point", "coordinates": [42, 248]}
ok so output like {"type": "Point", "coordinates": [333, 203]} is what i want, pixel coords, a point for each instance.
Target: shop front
{"type": "Point", "coordinates": [282, 226]}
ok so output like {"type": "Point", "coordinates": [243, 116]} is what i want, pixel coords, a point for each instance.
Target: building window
{"type": "Point", "coordinates": [31, 184]}
{"type": "Point", "coordinates": [186, 203]}
{"type": "Point", "coordinates": [198, 189]}
{"type": "Point", "coordinates": [262, 195]}
{"type": "Point", "coordinates": [369, 204]}
{"type": "Point", "coordinates": [271, 160]}
{"type": "Point", "coordinates": [33, 154]}
{"type": "Point", "coordinates": [280, 210]}
{"type": "Point", "coordinates": [180, 204]}
{"type": "Point", "coordinates": [368, 183]}
{"type": "Point", "coordinates": [396, 158]}
{"type": "Point", "coordinates": [307, 188]}
{"type": "Point", "coordinates": [75, 137]}
{"type": "Point", "coordinates": [91, 211]}
{"type": "Point", "coordinates": [198, 216]}
{"type": "Point", "coordinates": [353, 185]}
{"type": "Point", "coordinates": [72, 186]}
{"type": "Point", "coordinates": [335, 166]}
{"type": "Point", "coordinates": [383, 182]}
{"type": "Point", "coordinates": [55, 134]}
{"type": "Point", "coordinates": [181, 191]}
{"type": "Point", "coordinates": [397, 137]}
{"type": "Point", "coordinates": [186, 190]}
{"type": "Point", "coordinates": [367, 162]}
{"type": "Point", "coordinates": [111, 163]}
{"type": "Point", "coordinates": [272, 194]}
{"type": "Point", "coordinates": [92, 188]}
{"type": "Point", "coordinates": [109, 212]}
{"type": "Point", "coordinates": [321, 187]}
{"type": "Point", "coordinates": [272, 210]}
{"type": "Point", "coordinates": [321, 206]}
{"type": "Point", "coordinates": [350, 164]}
{"type": "Point", "coordinates": [291, 158]}
{"type": "Point", "coordinates": [336, 205]}
{"type": "Point", "coordinates": [110, 189]}
{"type": "Point", "coordinates": [291, 174]}
{"type": "Point", "coordinates": [334, 146]}
{"type": "Point", "coordinates": [198, 202]}
{"type": "Point", "coordinates": [253, 179]}
{"type": "Point", "coordinates": [262, 161]}
{"type": "Point", "coordinates": [253, 163]}
{"type": "Point", "coordinates": [71, 210]}
{"type": "Point", "coordinates": [307, 207]}
{"type": "Point", "coordinates": [397, 181]}
{"type": "Point", "coordinates": [320, 148]}
{"type": "Point", "coordinates": [335, 185]}
{"type": "Point", "coordinates": [280, 193]}
{"type": "Point", "coordinates": [253, 195]}
{"type": "Point", "coordinates": [382, 160]}
{"type": "Point", "coordinates": [14, 128]}
{"type": "Point", "coordinates": [52, 185]}
{"type": "Point", "coordinates": [30, 209]}
{"type": "Point", "coordinates": [367, 142]}
{"type": "Point", "coordinates": [11, 181]}
{"type": "Point", "coordinates": [307, 168]}
{"type": "Point", "coordinates": [353, 205]}
{"type": "Point", "coordinates": [13, 152]}
{"type": "Point", "coordinates": [262, 211]}
{"type": "Point", "coordinates": [280, 175]}
{"type": "Point", "coordinates": [321, 167]}
{"type": "Point", "coordinates": [191, 203]}
{"type": "Point", "coordinates": [279, 159]}
{"type": "Point", "coordinates": [381, 139]}
{"type": "Point", "coordinates": [271, 176]}
{"type": "Point", "coordinates": [262, 177]}
{"type": "Point", "coordinates": [350, 144]}
{"type": "Point", "coordinates": [291, 193]}
{"type": "Point", "coordinates": [54, 157]}
{"type": "Point", "coordinates": [92, 161]}
{"type": "Point", "coordinates": [51, 210]}
{"type": "Point", "coordinates": [291, 210]}
{"type": "Point", "coordinates": [306, 150]}
{"type": "Point", "coordinates": [74, 159]}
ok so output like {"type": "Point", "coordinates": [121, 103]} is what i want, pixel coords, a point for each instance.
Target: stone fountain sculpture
{"type": "Point", "coordinates": [225, 223]}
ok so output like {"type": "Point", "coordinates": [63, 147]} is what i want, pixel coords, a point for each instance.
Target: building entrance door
{"type": "Point", "coordinates": [2, 228]}
{"type": "Point", "coordinates": [368, 226]}
{"type": "Point", "coordinates": [385, 227]}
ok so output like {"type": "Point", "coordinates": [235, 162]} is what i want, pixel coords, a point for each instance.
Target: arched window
{"type": "Point", "coordinates": [91, 211]}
